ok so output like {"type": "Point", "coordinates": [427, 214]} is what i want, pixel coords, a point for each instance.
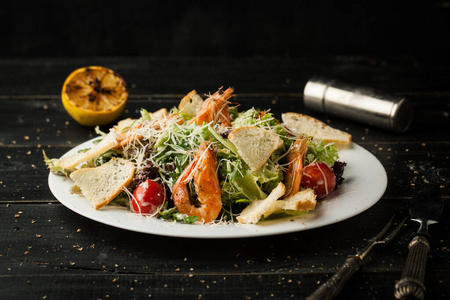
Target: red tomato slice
{"type": "Point", "coordinates": [147, 197]}
{"type": "Point", "coordinates": [320, 177]}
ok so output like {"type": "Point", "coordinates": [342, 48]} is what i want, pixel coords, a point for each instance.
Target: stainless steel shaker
{"type": "Point", "coordinates": [358, 103]}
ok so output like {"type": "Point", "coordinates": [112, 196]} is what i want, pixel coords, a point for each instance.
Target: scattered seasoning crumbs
{"type": "Point", "coordinates": [38, 235]}
{"type": "Point", "coordinates": [78, 230]}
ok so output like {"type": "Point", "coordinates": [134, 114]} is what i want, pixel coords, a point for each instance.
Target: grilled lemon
{"type": "Point", "coordinates": [94, 95]}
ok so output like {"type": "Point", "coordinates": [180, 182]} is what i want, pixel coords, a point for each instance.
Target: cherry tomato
{"type": "Point", "coordinates": [320, 177]}
{"type": "Point", "coordinates": [148, 196]}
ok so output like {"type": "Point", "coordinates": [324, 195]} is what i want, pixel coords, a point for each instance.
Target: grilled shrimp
{"type": "Point", "coordinates": [206, 182]}
{"type": "Point", "coordinates": [215, 108]}
{"type": "Point", "coordinates": [293, 176]}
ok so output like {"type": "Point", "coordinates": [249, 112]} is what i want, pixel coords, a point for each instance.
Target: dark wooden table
{"type": "Point", "coordinates": [49, 252]}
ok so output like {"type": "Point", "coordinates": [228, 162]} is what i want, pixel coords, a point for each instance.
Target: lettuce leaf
{"type": "Point", "coordinates": [318, 150]}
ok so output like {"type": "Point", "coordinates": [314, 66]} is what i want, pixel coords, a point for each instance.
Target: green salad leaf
{"type": "Point", "coordinates": [320, 151]}
{"type": "Point", "coordinates": [172, 214]}
{"type": "Point", "coordinates": [53, 165]}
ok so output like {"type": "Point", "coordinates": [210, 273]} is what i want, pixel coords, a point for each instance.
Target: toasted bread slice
{"type": "Point", "coordinates": [129, 123]}
{"type": "Point", "coordinates": [159, 114]}
{"type": "Point", "coordinates": [69, 163]}
{"type": "Point", "coordinates": [190, 104]}
{"type": "Point", "coordinates": [303, 200]}
{"type": "Point", "coordinates": [102, 184]}
{"type": "Point", "coordinates": [300, 201]}
{"type": "Point", "coordinates": [303, 124]}
{"type": "Point", "coordinates": [255, 145]}
{"type": "Point", "coordinates": [124, 125]}
{"type": "Point", "coordinates": [258, 208]}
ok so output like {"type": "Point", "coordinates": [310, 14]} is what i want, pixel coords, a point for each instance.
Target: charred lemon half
{"type": "Point", "coordinates": [94, 95]}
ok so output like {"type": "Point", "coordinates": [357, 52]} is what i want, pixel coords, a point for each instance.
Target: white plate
{"type": "Point", "coordinates": [365, 182]}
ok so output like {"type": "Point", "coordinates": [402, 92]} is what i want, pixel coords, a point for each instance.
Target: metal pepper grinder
{"type": "Point", "coordinates": [358, 103]}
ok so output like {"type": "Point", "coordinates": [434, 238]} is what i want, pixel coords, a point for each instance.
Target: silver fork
{"type": "Point", "coordinates": [334, 285]}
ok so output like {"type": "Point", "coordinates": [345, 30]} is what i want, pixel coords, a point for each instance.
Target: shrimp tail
{"type": "Point", "coordinates": [215, 108]}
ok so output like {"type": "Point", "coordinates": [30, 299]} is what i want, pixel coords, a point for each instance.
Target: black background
{"type": "Point", "coordinates": [267, 51]}
{"type": "Point", "coordinates": [223, 28]}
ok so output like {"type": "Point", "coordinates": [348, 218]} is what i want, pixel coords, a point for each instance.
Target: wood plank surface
{"type": "Point", "coordinates": [405, 75]}
{"type": "Point", "coordinates": [50, 252]}
{"type": "Point", "coordinates": [48, 244]}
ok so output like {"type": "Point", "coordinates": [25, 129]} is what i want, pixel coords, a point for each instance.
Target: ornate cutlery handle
{"type": "Point", "coordinates": [334, 285]}
{"type": "Point", "coordinates": [411, 285]}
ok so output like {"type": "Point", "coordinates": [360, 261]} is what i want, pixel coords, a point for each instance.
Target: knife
{"type": "Point", "coordinates": [426, 208]}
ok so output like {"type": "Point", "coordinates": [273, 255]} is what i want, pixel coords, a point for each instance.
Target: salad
{"type": "Point", "coordinates": [205, 161]}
